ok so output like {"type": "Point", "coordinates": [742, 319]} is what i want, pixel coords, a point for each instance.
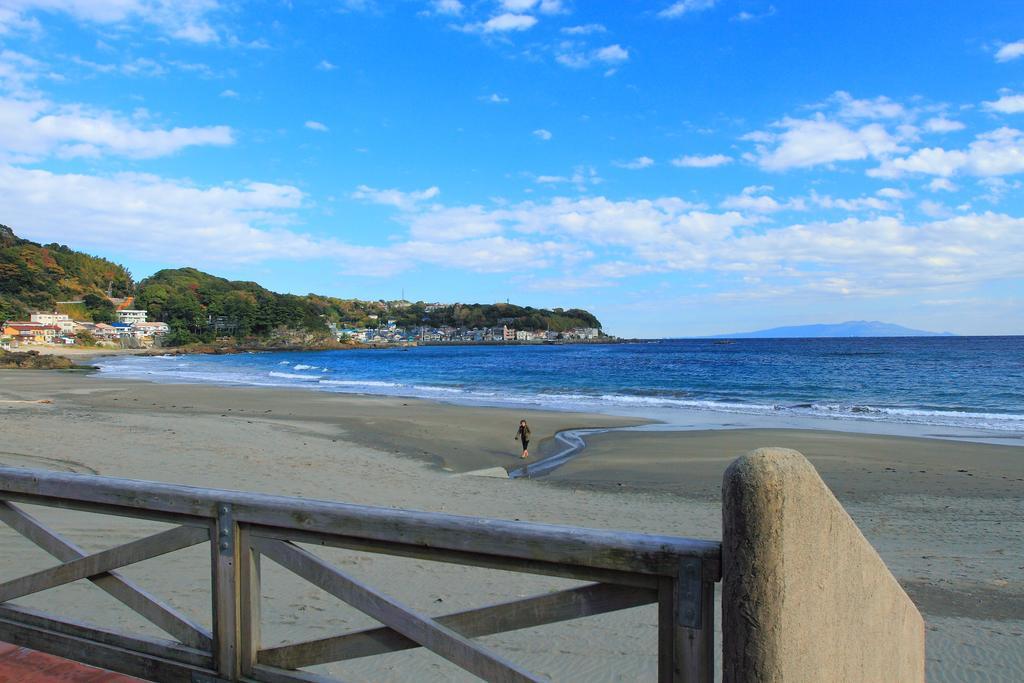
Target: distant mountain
{"type": "Point", "coordinates": [851, 328]}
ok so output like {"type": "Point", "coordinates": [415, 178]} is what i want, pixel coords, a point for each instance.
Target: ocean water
{"type": "Point", "coordinates": [962, 382]}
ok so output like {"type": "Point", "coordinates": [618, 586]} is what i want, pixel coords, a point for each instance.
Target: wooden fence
{"type": "Point", "coordinates": [622, 570]}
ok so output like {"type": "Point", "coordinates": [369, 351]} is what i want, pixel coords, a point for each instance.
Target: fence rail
{"type": "Point", "coordinates": [623, 569]}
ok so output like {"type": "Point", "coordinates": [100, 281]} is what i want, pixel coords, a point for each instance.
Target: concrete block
{"type": "Point", "coordinates": [804, 595]}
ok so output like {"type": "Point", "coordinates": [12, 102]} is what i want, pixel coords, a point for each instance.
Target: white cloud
{"type": "Point", "coordinates": [1010, 51]}
{"type": "Point", "coordinates": [934, 209]}
{"type": "Point", "coordinates": [188, 21]}
{"type": "Point", "coordinates": [893, 193]}
{"type": "Point", "coordinates": [880, 107]}
{"type": "Point", "coordinates": [582, 177]}
{"type": "Point", "coordinates": [230, 94]}
{"type": "Point", "coordinates": [678, 9]}
{"type": "Point", "coordinates": [137, 67]}
{"type": "Point", "coordinates": [518, 6]}
{"type": "Point", "coordinates": [17, 71]}
{"type": "Point", "coordinates": [755, 200]}
{"type": "Point", "coordinates": [552, 7]}
{"type": "Point", "coordinates": [942, 185]}
{"type": "Point", "coordinates": [855, 205]}
{"type": "Point", "coordinates": [611, 54]}
{"type": "Point", "coordinates": [600, 238]}
{"type": "Point", "coordinates": [198, 33]}
{"type": "Point", "coordinates": [493, 98]}
{"type": "Point", "coordinates": [450, 7]}
{"type": "Point", "coordinates": [996, 188]}
{"type": "Point", "coordinates": [168, 221]}
{"type": "Point", "coordinates": [543, 134]}
{"type": "Point", "coordinates": [584, 29]}
{"type": "Point", "coordinates": [636, 164]}
{"type": "Point", "coordinates": [886, 253]}
{"type": "Point", "coordinates": [698, 161]}
{"type": "Point", "coordinates": [577, 59]}
{"type": "Point", "coordinates": [818, 140]}
{"type": "Point", "coordinates": [752, 16]}
{"type": "Point", "coordinates": [940, 124]}
{"type": "Point", "coordinates": [393, 197]}
{"type": "Point", "coordinates": [325, 65]}
{"type": "Point", "coordinates": [317, 126]}
{"type": "Point", "coordinates": [357, 6]}
{"type": "Point", "coordinates": [758, 200]}
{"type": "Point", "coordinates": [502, 23]}
{"type": "Point", "coordinates": [999, 152]}
{"type": "Point", "coordinates": [12, 21]}
{"type": "Point", "coordinates": [1007, 104]}
{"type": "Point", "coordinates": [36, 129]}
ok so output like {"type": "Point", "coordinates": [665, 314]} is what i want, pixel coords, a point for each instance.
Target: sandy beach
{"type": "Point", "coordinates": [947, 516]}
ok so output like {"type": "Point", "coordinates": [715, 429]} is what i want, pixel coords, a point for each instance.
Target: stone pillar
{"type": "Point", "coordinates": [804, 595]}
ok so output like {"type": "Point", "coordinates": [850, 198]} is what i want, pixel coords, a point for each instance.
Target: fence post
{"type": "Point", "coordinates": [249, 602]}
{"type": "Point", "coordinates": [805, 597]}
{"type": "Point", "coordinates": [686, 626]}
{"type": "Point", "coordinates": [224, 550]}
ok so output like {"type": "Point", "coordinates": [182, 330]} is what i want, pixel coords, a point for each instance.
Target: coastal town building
{"type": "Point", "coordinates": [45, 327]}
{"type": "Point", "coordinates": [30, 332]}
{"type": "Point", "coordinates": [155, 329]}
{"type": "Point", "coordinates": [104, 331]}
{"type": "Point", "coordinates": [131, 316]}
{"type": "Point", "coordinates": [64, 322]}
{"type": "Point", "coordinates": [448, 334]}
{"type": "Point", "coordinates": [582, 333]}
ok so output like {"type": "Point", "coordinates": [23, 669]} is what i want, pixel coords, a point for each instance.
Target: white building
{"type": "Point", "coordinates": [65, 323]}
{"type": "Point", "coordinates": [144, 329]}
{"type": "Point", "coordinates": [131, 316]}
{"type": "Point", "coordinates": [582, 333]}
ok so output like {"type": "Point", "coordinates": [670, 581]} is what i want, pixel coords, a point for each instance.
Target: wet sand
{"type": "Point", "coordinates": [857, 467]}
{"type": "Point", "coordinates": [953, 538]}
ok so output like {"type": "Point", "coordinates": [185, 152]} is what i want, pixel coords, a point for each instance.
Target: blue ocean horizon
{"type": "Point", "coordinates": [960, 382]}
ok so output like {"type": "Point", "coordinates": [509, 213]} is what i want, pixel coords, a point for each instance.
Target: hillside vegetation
{"type": "Point", "coordinates": [35, 276]}
{"type": "Point", "coordinates": [200, 307]}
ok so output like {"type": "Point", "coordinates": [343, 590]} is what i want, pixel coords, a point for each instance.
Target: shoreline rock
{"type": "Point", "coordinates": [33, 360]}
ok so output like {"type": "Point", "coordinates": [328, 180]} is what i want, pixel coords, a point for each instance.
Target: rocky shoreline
{"type": "Point", "coordinates": [33, 360]}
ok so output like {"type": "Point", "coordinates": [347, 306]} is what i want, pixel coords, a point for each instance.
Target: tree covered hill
{"type": "Point", "coordinates": [35, 276]}
{"type": "Point", "coordinates": [199, 306]}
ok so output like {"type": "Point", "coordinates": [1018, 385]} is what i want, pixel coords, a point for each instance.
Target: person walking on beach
{"type": "Point", "coordinates": [524, 435]}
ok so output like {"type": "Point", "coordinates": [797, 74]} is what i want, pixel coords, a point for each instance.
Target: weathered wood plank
{"type": "Point", "coordinates": [137, 599]}
{"type": "Point", "coordinates": [667, 602]}
{"type": "Point", "coordinates": [437, 638]}
{"type": "Point", "coordinates": [224, 564]}
{"type": "Point", "coordinates": [574, 603]}
{"type": "Point", "coordinates": [696, 646]}
{"type": "Point", "coordinates": [104, 655]}
{"type": "Point", "coordinates": [685, 654]}
{"type": "Point", "coordinates": [165, 649]}
{"type": "Point", "coordinates": [249, 598]}
{"type": "Point", "coordinates": [104, 508]}
{"type": "Point", "coordinates": [619, 550]}
{"type": "Point", "coordinates": [470, 559]}
{"type": "Point", "coordinates": [269, 674]}
{"type": "Point", "coordinates": [104, 561]}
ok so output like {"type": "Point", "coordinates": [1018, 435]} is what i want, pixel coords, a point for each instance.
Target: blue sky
{"type": "Point", "coordinates": [678, 167]}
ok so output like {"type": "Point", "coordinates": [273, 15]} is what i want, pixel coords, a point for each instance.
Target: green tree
{"type": "Point", "coordinates": [101, 310]}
